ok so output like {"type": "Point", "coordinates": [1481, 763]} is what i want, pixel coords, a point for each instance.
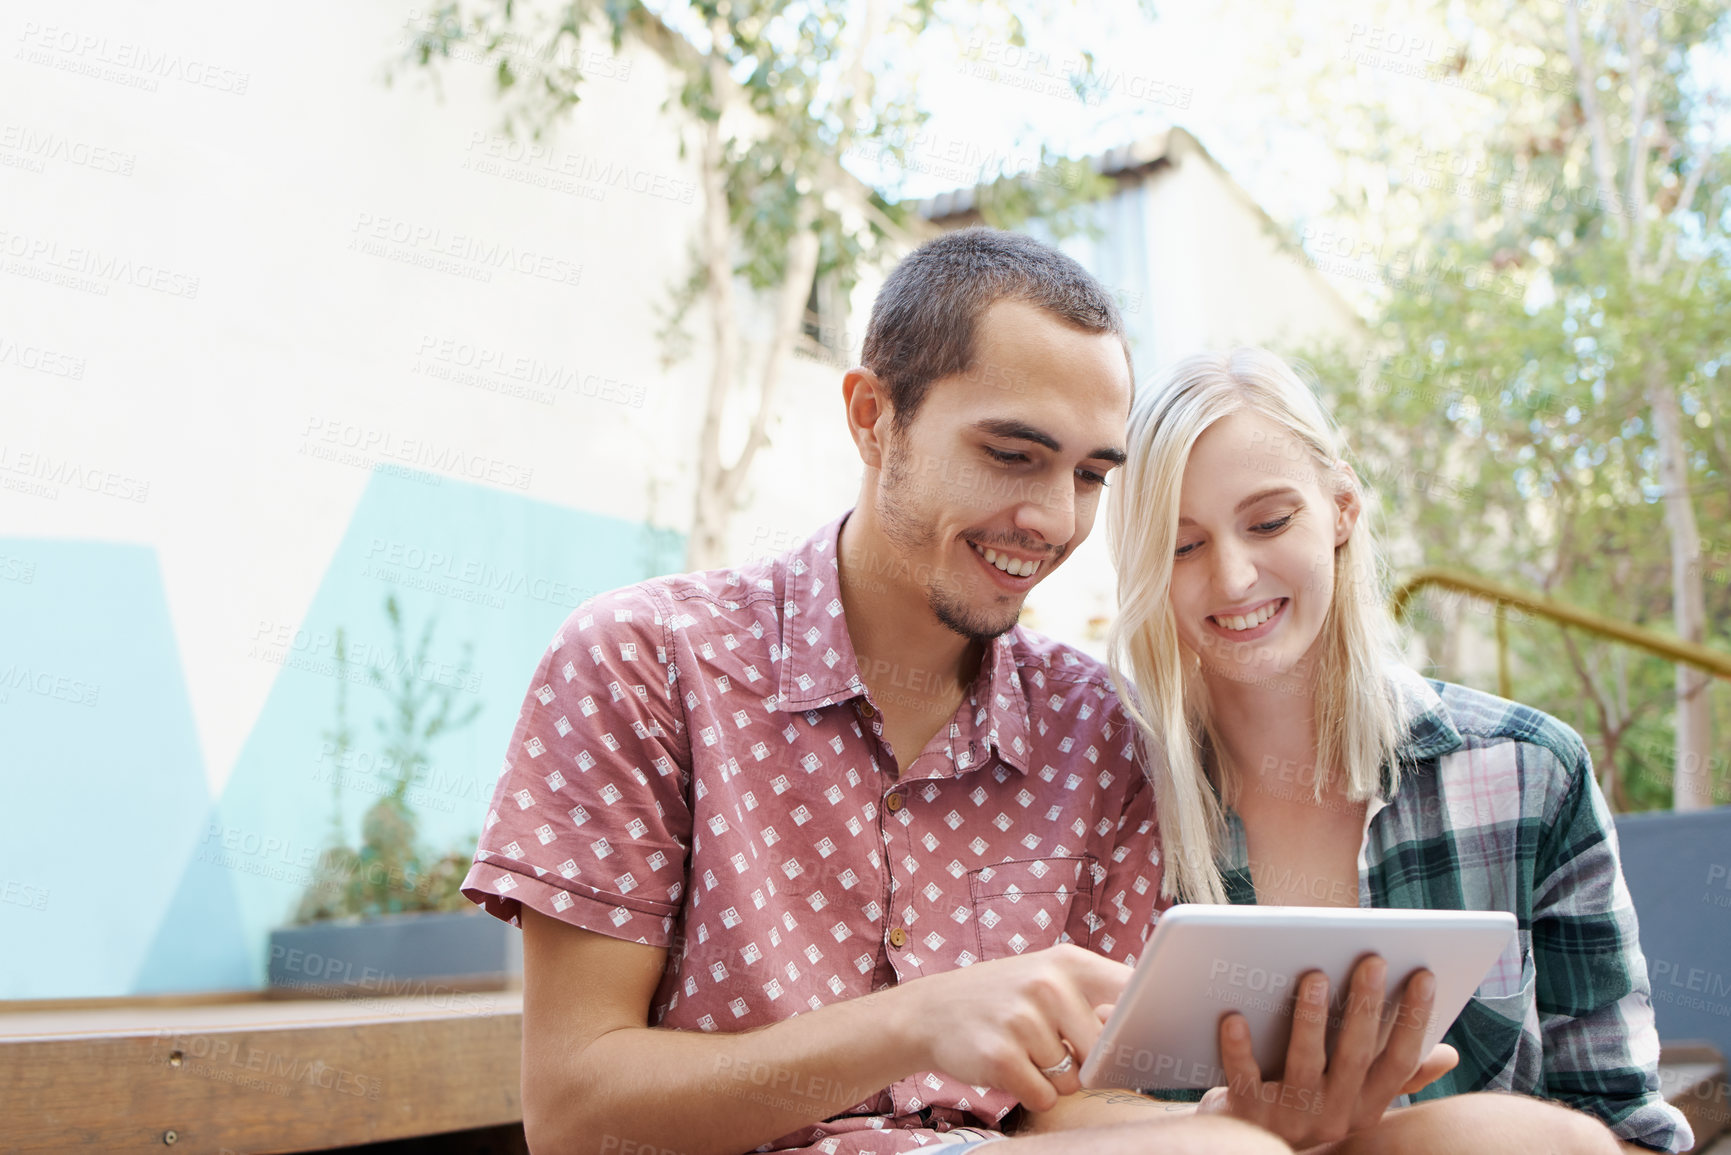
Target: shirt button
{"type": "Point", "coordinates": [867, 708]}
{"type": "Point", "coordinates": [894, 802]}
{"type": "Point", "coordinates": [898, 937]}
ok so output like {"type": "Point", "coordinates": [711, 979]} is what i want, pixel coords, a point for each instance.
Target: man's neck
{"type": "Point", "coordinates": [895, 635]}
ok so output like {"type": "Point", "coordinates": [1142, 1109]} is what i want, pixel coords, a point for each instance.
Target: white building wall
{"type": "Point", "coordinates": [349, 274]}
{"type": "Point", "coordinates": [1215, 275]}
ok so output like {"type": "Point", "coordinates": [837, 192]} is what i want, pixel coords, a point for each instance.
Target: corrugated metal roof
{"type": "Point", "coordinates": [1125, 158]}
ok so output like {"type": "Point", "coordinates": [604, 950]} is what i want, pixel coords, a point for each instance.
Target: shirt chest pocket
{"type": "Point", "coordinates": [1492, 1030]}
{"type": "Point", "coordinates": [1508, 985]}
{"type": "Point", "coordinates": [1032, 904]}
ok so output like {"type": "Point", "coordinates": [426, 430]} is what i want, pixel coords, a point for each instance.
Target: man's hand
{"type": "Point", "coordinates": [1321, 1098]}
{"type": "Point", "coordinates": [995, 1024]}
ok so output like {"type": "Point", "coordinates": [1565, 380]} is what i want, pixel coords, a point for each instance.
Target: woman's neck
{"type": "Point", "coordinates": [1266, 731]}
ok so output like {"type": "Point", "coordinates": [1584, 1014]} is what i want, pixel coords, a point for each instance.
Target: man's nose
{"type": "Point", "coordinates": [1049, 512]}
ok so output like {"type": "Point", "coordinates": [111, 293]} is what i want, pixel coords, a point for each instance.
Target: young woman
{"type": "Point", "coordinates": [1307, 766]}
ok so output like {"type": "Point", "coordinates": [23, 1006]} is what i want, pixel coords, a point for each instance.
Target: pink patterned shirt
{"type": "Point", "coordinates": [699, 766]}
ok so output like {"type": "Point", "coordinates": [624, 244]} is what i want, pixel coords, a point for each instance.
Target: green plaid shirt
{"type": "Point", "coordinates": [1498, 809]}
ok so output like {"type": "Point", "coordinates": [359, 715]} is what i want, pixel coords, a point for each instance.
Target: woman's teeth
{"type": "Point", "coordinates": [1006, 563]}
{"type": "Point", "coordinates": [1249, 621]}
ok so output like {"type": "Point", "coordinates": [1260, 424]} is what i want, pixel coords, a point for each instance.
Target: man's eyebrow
{"type": "Point", "coordinates": [1020, 431]}
{"type": "Point", "coordinates": [1271, 491]}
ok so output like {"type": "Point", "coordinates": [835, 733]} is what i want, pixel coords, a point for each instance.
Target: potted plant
{"type": "Point", "coordinates": [386, 917]}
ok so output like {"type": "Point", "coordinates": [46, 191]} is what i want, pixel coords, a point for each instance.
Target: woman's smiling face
{"type": "Point", "coordinates": [1253, 566]}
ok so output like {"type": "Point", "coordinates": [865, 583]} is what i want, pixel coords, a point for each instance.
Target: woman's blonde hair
{"type": "Point", "coordinates": [1359, 717]}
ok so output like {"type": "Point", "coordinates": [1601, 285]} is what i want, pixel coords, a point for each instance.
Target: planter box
{"type": "Point", "coordinates": [396, 954]}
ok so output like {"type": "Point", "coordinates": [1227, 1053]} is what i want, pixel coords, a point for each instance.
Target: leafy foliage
{"type": "Point", "coordinates": [1506, 411]}
{"type": "Point", "coordinates": [775, 95]}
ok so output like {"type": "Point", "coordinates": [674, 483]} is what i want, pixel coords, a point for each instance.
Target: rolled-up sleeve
{"type": "Point", "coordinates": [1127, 901]}
{"type": "Point", "coordinates": [1594, 1001]}
{"type": "Point", "coordinates": [589, 822]}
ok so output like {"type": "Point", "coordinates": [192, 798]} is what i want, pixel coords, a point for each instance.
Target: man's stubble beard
{"type": "Point", "coordinates": [910, 535]}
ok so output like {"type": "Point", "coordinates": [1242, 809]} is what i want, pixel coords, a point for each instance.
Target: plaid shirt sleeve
{"type": "Point", "coordinates": [1594, 1002]}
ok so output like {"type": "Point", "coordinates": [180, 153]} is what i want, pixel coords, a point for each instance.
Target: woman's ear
{"type": "Point", "coordinates": [1347, 503]}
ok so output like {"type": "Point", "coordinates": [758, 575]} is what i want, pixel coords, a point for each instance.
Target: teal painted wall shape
{"type": "Point", "coordinates": [118, 874]}
{"type": "Point", "coordinates": [102, 783]}
{"type": "Point", "coordinates": [492, 570]}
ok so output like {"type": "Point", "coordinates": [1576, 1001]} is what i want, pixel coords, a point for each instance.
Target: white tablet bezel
{"type": "Point", "coordinates": [1204, 960]}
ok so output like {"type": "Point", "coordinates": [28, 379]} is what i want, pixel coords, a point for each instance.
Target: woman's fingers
{"type": "Point", "coordinates": [1400, 1056]}
{"type": "Point", "coordinates": [1215, 1101]}
{"type": "Point", "coordinates": [1361, 1022]}
{"type": "Point", "coordinates": [1441, 1060]}
{"type": "Point", "coordinates": [1321, 1096]}
{"type": "Point", "coordinates": [1306, 1057]}
{"type": "Point", "coordinates": [1243, 1078]}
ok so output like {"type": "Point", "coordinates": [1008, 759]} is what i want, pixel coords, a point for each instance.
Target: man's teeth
{"type": "Point", "coordinates": [1008, 564]}
{"type": "Point", "coordinates": [1249, 621]}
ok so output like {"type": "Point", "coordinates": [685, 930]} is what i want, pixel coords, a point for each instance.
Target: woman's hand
{"type": "Point", "coordinates": [1321, 1098]}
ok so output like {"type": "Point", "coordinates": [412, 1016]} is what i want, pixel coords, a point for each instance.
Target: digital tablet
{"type": "Point", "coordinates": [1204, 961]}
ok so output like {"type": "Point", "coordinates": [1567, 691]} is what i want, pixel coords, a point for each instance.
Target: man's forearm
{"type": "Point", "coordinates": [716, 1093]}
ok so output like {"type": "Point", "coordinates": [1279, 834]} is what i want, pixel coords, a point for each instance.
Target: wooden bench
{"type": "Point", "coordinates": [228, 1074]}
{"type": "Point", "coordinates": [1692, 1077]}
{"type": "Point", "coordinates": [231, 1073]}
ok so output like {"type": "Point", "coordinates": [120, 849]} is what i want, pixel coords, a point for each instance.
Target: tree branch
{"type": "Point", "coordinates": [1691, 184]}
{"type": "Point", "coordinates": [708, 514]}
{"type": "Point", "coordinates": [1586, 87]}
{"type": "Point", "coordinates": [789, 314]}
{"type": "Point", "coordinates": [1608, 783]}
{"type": "Point", "coordinates": [1635, 200]}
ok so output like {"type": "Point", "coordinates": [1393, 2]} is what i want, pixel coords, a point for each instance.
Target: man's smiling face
{"type": "Point", "coordinates": [1000, 474]}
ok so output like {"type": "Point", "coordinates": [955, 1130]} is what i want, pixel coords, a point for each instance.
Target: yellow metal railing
{"type": "Point", "coordinates": [1714, 662]}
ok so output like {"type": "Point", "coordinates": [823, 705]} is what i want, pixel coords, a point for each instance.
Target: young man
{"type": "Point", "coordinates": [879, 857]}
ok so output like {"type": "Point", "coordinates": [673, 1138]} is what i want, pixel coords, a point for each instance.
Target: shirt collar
{"type": "Point", "coordinates": [1000, 716]}
{"type": "Point", "coordinates": [1430, 733]}
{"type": "Point", "coordinates": [820, 668]}
{"type": "Point", "coordinates": [818, 665]}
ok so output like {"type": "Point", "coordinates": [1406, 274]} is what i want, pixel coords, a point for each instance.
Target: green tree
{"type": "Point", "coordinates": [778, 92]}
{"type": "Point", "coordinates": [1552, 341]}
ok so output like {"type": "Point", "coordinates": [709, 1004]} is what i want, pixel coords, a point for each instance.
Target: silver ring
{"type": "Point", "coordinates": [1064, 1068]}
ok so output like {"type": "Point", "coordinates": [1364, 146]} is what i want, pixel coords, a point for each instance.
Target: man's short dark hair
{"type": "Point", "coordinates": [925, 317]}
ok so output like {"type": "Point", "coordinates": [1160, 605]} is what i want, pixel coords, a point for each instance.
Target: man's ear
{"type": "Point", "coordinates": [1347, 503]}
{"type": "Point", "coordinates": [868, 414]}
